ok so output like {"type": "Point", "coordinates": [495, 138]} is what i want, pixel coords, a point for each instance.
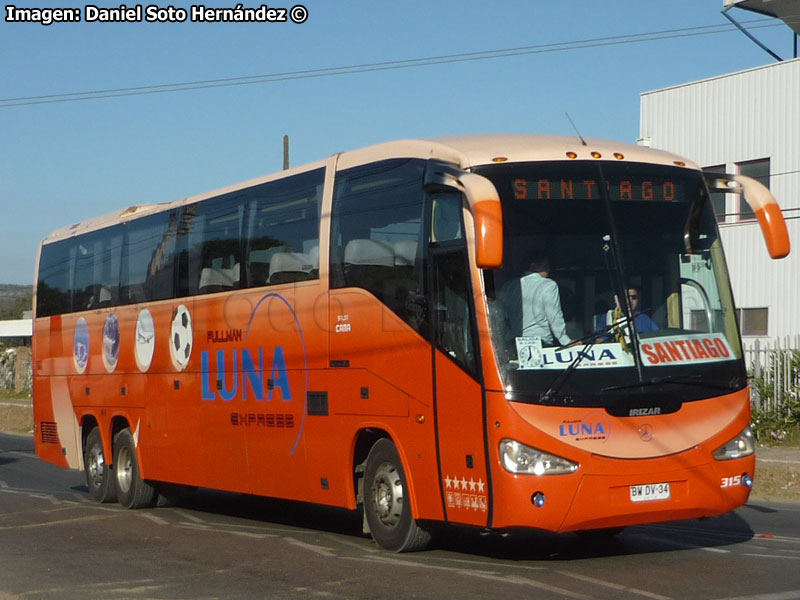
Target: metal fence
{"type": "Point", "coordinates": [774, 368]}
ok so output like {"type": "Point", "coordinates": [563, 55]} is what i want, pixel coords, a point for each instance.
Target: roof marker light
{"type": "Point", "coordinates": [596, 155]}
{"type": "Point", "coordinates": [680, 163]}
{"type": "Point", "coordinates": [500, 159]}
{"type": "Point", "coordinates": [618, 156]}
{"type": "Point", "coordinates": [571, 155]}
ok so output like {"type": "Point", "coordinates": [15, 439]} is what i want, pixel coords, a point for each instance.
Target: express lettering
{"type": "Point", "coordinates": [239, 373]}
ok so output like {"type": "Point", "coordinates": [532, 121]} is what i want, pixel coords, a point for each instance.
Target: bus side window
{"type": "Point", "coordinates": [211, 239]}
{"type": "Point", "coordinates": [453, 330]}
{"type": "Point", "coordinates": [283, 221]}
{"type": "Point", "coordinates": [97, 268]}
{"type": "Point", "coordinates": [54, 289]}
{"type": "Point", "coordinates": [148, 262]}
{"type": "Point", "coordinates": [376, 233]}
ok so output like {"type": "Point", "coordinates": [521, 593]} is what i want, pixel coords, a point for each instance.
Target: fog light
{"type": "Point", "coordinates": [747, 480]}
{"type": "Point", "coordinates": [538, 499]}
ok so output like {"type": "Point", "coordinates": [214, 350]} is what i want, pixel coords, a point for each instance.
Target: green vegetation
{"type": "Point", "coordinates": [14, 300]}
{"type": "Point", "coordinates": [12, 395]}
{"type": "Point", "coordinates": [777, 421]}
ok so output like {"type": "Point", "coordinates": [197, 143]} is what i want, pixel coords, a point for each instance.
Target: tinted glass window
{"type": "Point", "coordinates": [97, 269]}
{"type": "Point", "coordinates": [283, 229]}
{"type": "Point", "coordinates": [377, 230]}
{"type": "Point", "coordinates": [54, 290]}
{"type": "Point", "coordinates": [148, 264]}
{"type": "Point", "coordinates": [212, 244]}
{"type": "Point", "coordinates": [272, 229]}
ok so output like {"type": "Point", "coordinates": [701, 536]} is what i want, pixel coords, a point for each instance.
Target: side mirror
{"type": "Point", "coordinates": [483, 203]}
{"type": "Point", "coordinates": [763, 203]}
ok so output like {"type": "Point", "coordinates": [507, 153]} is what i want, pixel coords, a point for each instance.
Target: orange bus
{"type": "Point", "coordinates": [497, 331]}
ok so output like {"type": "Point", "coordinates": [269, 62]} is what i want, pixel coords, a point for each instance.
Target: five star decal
{"type": "Point", "coordinates": [468, 494]}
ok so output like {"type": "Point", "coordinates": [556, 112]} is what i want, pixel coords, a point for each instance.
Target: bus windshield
{"type": "Point", "coordinates": [613, 281]}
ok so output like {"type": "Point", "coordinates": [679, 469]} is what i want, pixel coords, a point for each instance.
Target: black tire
{"type": "Point", "coordinates": [132, 490]}
{"type": "Point", "coordinates": [99, 474]}
{"type": "Point", "coordinates": [387, 504]}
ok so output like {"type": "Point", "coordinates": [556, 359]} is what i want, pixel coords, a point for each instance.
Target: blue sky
{"type": "Point", "coordinates": [64, 162]}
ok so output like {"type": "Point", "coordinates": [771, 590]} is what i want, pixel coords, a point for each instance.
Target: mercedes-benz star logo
{"type": "Point", "coordinates": [646, 433]}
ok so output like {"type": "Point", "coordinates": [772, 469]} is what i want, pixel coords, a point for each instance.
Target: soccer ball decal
{"type": "Point", "coordinates": [180, 347]}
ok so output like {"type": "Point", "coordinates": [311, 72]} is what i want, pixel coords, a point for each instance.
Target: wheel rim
{"type": "Point", "coordinates": [124, 470]}
{"type": "Point", "coordinates": [97, 466]}
{"type": "Point", "coordinates": [387, 495]}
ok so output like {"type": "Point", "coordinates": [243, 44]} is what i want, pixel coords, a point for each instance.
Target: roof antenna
{"type": "Point", "coordinates": [583, 141]}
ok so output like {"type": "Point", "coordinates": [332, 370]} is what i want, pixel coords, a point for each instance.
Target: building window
{"type": "Point", "coordinates": [755, 169]}
{"type": "Point", "coordinates": [753, 321]}
{"type": "Point", "coordinates": [718, 198]}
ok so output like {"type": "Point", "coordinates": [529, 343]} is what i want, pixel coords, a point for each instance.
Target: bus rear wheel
{"type": "Point", "coordinates": [99, 478]}
{"type": "Point", "coordinates": [387, 504]}
{"type": "Point", "coordinates": [132, 490]}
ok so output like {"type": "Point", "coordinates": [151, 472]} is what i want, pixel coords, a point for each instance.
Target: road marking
{"type": "Point", "coordinates": [154, 518]}
{"type": "Point", "coordinates": [367, 546]}
{"type": "Point", "coordinates": [777, 538]}
{"type": "Point", "coordinates": [219, 528]}
{"type": "Point", "coordinates": [248, 534]}
{"type": "Point", "coordinates": [614, 586]}
{"type": "Point", "coordinates": [321, 550]}
{"type": "Point", "coordinates": [770, 556]}
{"type": "Point", "coordinates": [489, 575]}
{"type": "Point", "coordinates": [188, 516]}
{"type": "Point", "coordinates": [791, 595]}
{"type": "Point", "coordinates": [49, 497]}
{"type": "Point", "coordinates": [60, 522]}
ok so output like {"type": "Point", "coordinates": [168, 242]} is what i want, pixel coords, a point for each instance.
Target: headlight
{"type": "Point", "coordinates": [739, 447]}
{"type": "Point", "coordinates": [519, 458]}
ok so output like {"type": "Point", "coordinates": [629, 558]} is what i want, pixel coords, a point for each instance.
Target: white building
{"type": "Point", "coordinates": [748, 123]}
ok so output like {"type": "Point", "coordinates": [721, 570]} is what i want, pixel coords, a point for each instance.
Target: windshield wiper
{"type": "Point", "coordinates": [612, 246]}
{"type": "Point", "coordinates": [588, 342]}
{"type": "Point", "coordinates": [691, 380]}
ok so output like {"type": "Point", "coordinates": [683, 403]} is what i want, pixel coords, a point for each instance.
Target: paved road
{"type": "Point", "coordinates": [55, 543]}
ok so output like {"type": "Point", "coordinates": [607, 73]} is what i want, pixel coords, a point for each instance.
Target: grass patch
{"type": "Point", "coordinates": [777, 482]}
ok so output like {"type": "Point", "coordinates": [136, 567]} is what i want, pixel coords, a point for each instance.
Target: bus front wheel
{"type": "Point", "coordinates": [99, 477]}
{"type": "Point", "coordinates": [132, 490]}
{"type": "Point", "coordinates": [387, 505]}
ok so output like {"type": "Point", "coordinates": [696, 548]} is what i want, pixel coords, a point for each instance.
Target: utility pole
{"type": "Point", "coordinates": [285, 152]}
